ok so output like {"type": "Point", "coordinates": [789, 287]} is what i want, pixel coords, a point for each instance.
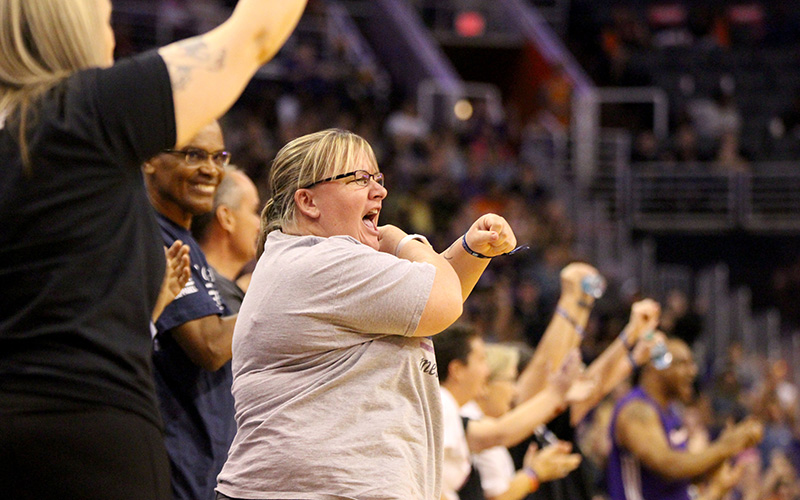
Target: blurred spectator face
{"type": "Point", "coordinates": [679, 377]}
{"type": "Point", "coordinates": [246, 217]}
{"type": "Point", "coordinates": [474, 375]}
{"type": "Point", "coordinates": [500, 393]}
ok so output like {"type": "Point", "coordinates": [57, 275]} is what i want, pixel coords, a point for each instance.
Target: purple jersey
{"type": "Point", "coordinates": [629, 479]}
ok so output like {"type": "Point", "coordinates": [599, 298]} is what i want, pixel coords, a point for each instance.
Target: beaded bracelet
{"type": "Point", "coordinates": [634, 364]}
{"type": "Point", "coordinates": [564, 314]}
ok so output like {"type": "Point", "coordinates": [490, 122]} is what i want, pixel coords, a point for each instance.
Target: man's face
{"type": "Point", "coordinates": [183, 183]}
{"type": "Point", "coordinates": [246, 217]}
{"type": "Point", "coordinates": [680, 375]}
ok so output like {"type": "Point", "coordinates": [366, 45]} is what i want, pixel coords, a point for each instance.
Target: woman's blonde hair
{"type": "Point", "coordinates": [500, 359]}
{"type": "Point", "coordinates": [41, 43]}
{"type": "Point", "coordinates": [302, 162]}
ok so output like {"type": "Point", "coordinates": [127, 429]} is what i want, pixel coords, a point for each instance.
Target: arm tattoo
{"type": "Point", "coordinates": [447, 254]}
{"type": "Point", "coordinates": [195, 54]}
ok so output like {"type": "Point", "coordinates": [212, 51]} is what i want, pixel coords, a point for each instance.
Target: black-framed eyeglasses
{"type": "Point", "coordinates": [193, 156]}
{"type": "Point", "coordinates": [360, 178]}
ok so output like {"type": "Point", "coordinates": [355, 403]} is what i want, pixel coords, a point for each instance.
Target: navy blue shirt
{"type": "Point", "coordinates": [196, 405]}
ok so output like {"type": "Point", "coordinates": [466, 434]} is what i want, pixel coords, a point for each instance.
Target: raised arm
{"type": "Point", "coordinates": [639, 430]}
{"type": "Point", "coordinates": [176, 276]}
{"type": "Point", "coordinates": [210, 71]}
{"type": "Point", "coordinates": [564, 332]}
{"type": "Point", "coordinates": [456, 270]}
{"type": "Point", "coordinates": [489, 236]}
{"type": "Point", "coordinates": [521, 422]}
{"type": "Point", "coordinates": [614, 365]}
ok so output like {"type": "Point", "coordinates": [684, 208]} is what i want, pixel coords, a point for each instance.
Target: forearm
{"type": "Point", "coordinates": [468, 267]}
{"type": "Point", "coordinates": [519, 487]}
{"type": "Point", "coordinates": [609, 370]}
{"type": "Point", "coordinates": [517, 424]}
{"type": "Point", "coordinates": [207, 341]}
{"type": "Point", "coordinates": [220, 63]}
{"type": "Point", "coordinates": [676, 465]}
{"type": "Point", "coordinates": [163, 300]}
{"type": "Point", "coordinates": [560, 337]}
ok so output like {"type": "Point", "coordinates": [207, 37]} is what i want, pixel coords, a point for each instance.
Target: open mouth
{"type": "Point", "coordinates": [371, 219]}
{"type": "Point", "coordinates": [205, 189]}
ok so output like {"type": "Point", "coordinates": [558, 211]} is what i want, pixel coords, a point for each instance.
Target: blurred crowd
{"type": "Point", "coordinates": [441, 179]}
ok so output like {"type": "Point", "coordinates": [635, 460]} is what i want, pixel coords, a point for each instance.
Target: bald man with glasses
{"type": "Point", "coordinates": [192, 346]}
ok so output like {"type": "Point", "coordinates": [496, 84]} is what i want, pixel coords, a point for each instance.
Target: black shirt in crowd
{"type": "Point", "coordinates": [81, 256]}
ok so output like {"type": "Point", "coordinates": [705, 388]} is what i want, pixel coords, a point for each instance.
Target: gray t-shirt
{"type": "Point", "coordinates": [334, 398]}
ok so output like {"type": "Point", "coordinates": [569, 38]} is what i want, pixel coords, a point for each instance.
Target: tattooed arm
{"type": "Point", "coordinates": [210, 71]}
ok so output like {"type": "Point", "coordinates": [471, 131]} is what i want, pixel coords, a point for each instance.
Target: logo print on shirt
{"type": "Point", "coordinates": [427, 365]}
{"type": "Point", "coordinates": [678, 437]}
{"type": "Point", "coordinates": [188, 289]}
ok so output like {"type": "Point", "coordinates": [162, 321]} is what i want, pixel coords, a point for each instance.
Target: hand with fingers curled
{"type": "Point", "coordinates": [572, 276]}
{"type": "Point", "coordinates": [643, 348]}
{"type": "Point", "coordinates": [644, 319]}
{"type": "Point", "coordinates": [743, 435]}
{"type": "Point", "coordinates": [554, 461]}
{"type": "Point", "coordinates": [388, 238]}
{"type": "Point", "coordinates": [490, 236]}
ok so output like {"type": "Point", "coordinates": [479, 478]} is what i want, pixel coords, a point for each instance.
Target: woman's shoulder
{"type": "Point", "coordinates": [311, 244]}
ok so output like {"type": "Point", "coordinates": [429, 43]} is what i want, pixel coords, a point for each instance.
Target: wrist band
{"type": "Point", "coordinates": [534, 479]}
{"type": "Point", "coordinates": [564, 314]}
{"type": "Point", "coordinates": [634, 364]}
{"type": "Point", "coordinates": [623, 337]}
{"type": "Point", "coordinates": [408, 238]}
{"type": "Point", "coordinates": [481, 256]}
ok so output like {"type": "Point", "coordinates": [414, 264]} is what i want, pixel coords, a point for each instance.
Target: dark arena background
{"type": "Point", "coordinates": [658, 140]}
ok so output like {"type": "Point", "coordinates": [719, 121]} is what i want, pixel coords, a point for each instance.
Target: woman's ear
{"type": "Point", "coordinates": [148, 167]}
{"type": "Point", "coordinates": [304, 201]}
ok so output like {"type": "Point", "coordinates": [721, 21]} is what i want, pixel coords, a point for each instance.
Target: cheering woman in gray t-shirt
{"type": "Point", "coordinates": [334, 370]}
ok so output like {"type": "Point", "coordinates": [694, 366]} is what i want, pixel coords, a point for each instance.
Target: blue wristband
{"type": "Point", "coordinates": [564, 314]}
{"type": "Point", "coordinates": [481, 256]}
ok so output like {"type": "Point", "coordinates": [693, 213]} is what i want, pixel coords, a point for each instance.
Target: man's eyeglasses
{"type": "Point", "coordinates": [193, 156]}
{"type": "Point", "coordinates": [360, 178]}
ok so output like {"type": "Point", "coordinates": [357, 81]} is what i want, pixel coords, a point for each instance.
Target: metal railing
{"type": "Point", "coordinates": [689, 197]}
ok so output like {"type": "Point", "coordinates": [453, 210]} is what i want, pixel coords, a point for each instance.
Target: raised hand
{"type": "Point", "coordinates": [388, 238]}
{"type": "Point", "coordinates": [178, 268]}
{"type": "Point", "coordinates": [645, 315]}
{"type": "Point", "coordinates": [490, 235]}
{"type": "Point", "coordinates": [177, 274]}
{"type": "Point", "coordinates": [571, 277]}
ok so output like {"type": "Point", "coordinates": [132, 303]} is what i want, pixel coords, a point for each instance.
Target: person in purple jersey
{"type": "Point", "coordinates": [649, 459]}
